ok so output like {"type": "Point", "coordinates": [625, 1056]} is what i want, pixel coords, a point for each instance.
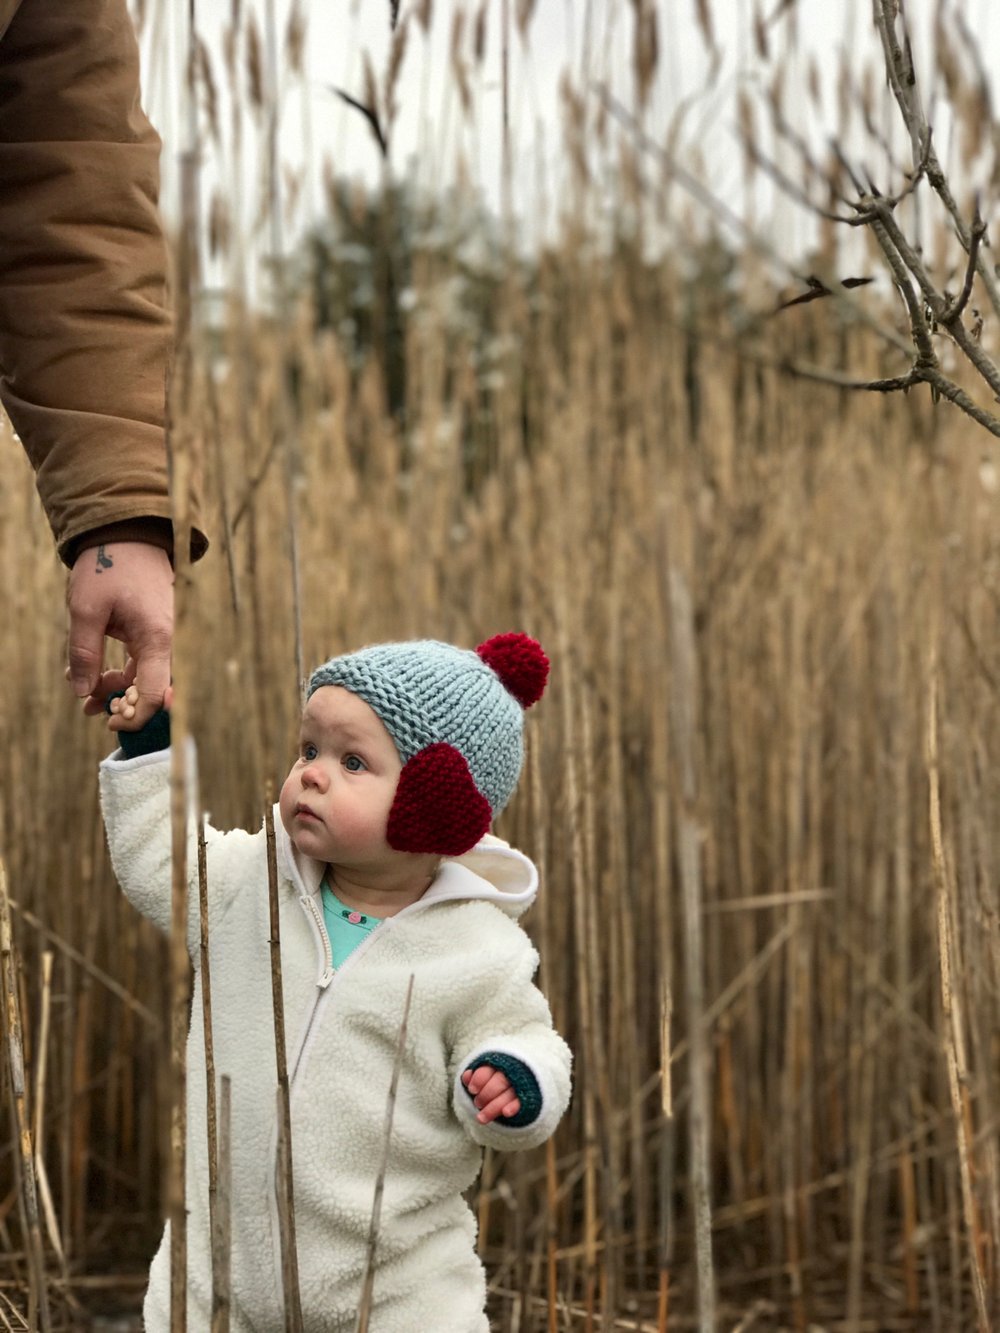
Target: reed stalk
{"type": "Point", "coordinates": [38, 1292]}
{"type": "Point", "coordinates": [205, 973]}
{"type": "Point", "coordinates": [285, 1181]}
{"type": "Point", "coordinates": [222, 1231]}
{"type": "Point", "coordinates": [958, 1073]}
{"type": "Point", "coordinates": [684, 720]}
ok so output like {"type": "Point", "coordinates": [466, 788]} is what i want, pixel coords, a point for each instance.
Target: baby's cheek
{"type": "Point", "coordinates": [355, 828]}
{"type": "Point", "coordinates": [286, 803]}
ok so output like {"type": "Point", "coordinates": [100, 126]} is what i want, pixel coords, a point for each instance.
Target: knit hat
{"type": "Point", "coordinates": [456, 717]}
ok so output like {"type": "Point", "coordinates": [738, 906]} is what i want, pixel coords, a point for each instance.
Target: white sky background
{"type": "Point", "coordinates": [587, 43]}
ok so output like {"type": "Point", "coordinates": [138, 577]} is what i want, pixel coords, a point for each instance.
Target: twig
{"type": "Point", "coordinates": [665, 1174]}
{"type": "Point", "coordinates": [181, 468]}
{"type": "Point", "coordinates": [551, 1237]}
{"type": "Point", "coordinates": [954, 311]}
{"type": "Point", "coordinates": [900, 80]}
{"type": "Point", "coordinates": [220, 468]}
{"type": "Point", "coordinates": [284, 426]}
{"type": "Point", "coordinates": [45, 1193]}
{"type": "Point", "coordinates": [39, 1296]}
{"type": "Point", "coordinates": [370, 114]}
{"type": "Point", "coordinates": [368, 1282]}
{"type": "Point", "coordinates": [256, 481]}
{"type": "Point", "coordinates": [903, 262]}
{"type": "Point", "coordinates": [42, 1047]}
{"type": "Point", "coordinates": [683, 701]}
{"type": "Point", "coordinates": [796, 192]}
{"type": "Point", "coordinates": [757, 243]}
{"type": "Point", "coordinates": [206, 1015]}
{"type": "Point", "coordinates": [180, 983]}
{"type": "Point", "coordinates": [757, 1311]}
{"type": "Point", "coordinates": [286, 1193]}
{"type": "Point", "coordinates": [222, 1228]}
{"type": "Point", "coordinates": [954, 1028]}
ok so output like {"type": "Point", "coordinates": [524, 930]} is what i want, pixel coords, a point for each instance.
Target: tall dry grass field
{"type": "Point", "coordinates": [762, 790]}
{"type": "Point", "coordinates": [831, 564]}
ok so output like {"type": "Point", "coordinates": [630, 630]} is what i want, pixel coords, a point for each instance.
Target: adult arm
{"type": "Point", "coordinates": [85, 332]}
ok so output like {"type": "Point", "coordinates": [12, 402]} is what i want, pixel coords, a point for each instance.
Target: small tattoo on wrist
{"type": "Point", "coordinates": [104, 561]}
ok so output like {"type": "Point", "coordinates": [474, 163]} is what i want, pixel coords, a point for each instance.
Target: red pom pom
{"type": "Point", "coordinates": [437, 807]}
{"type": "Point", "coordinates": [520, 663]}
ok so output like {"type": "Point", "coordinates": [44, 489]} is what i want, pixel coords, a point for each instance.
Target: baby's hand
{"type": "Point", "coordinates": [124, 707]}
{"type": "Point", "coordinates": [122, 710]}
{"type": "Point", "coordinates": [491, 1091]}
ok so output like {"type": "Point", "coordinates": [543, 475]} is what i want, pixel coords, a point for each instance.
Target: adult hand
{"type": "Point", "coordinates": [124, 590]}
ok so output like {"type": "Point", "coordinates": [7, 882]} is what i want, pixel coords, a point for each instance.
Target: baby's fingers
{"type": "Point", "coordinates": [506, 1104]}
{"type": "Point", "coordinates": [493, 1086]}
{"type": "Point", "coordinates": [123, 710]}
{"type": "Point", "coordinates": [475, 1080]}
{"type": "Point", "coordinates": [110, 682]}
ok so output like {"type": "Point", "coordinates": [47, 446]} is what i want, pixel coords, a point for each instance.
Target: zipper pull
{"type": "Point", "coordinates": [326, 978]}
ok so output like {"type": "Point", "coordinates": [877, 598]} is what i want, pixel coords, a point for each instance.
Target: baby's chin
{"type": "Point", "coordinates": [309, 842]}
{"type": "Point", "coordinates": [310, 845]}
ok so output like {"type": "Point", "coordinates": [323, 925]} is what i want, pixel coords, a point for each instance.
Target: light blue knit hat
{"type": "Point", "coordinates": [457, 719]}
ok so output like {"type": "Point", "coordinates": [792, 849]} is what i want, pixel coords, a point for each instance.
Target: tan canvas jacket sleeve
{"type": "Point", "coordinates": [85, 330]}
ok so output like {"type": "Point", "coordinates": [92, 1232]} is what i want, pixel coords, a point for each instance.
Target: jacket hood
{"type": "Point", "coordinates": [492, 871]}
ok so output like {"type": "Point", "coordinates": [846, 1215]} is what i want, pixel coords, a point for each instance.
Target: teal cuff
{"type": "Point", "coordinates": [522, 1080]}
{"type": "Point", "coordinates": [155, 735]}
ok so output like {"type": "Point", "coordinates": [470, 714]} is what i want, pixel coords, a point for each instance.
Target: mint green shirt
{"type": "Point", "coordinates": [345, 927]}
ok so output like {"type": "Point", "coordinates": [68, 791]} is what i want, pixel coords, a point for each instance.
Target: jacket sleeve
{"type": "Point", "coordinates": [511, 1019]}
{"type": "Point", "coordinates": [135, 803]}
{"type": "Point", "coordinates": [85, 332]}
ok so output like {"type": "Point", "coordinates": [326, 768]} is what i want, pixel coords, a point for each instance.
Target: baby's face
{"type": "Point", "coordinates": [335, 802]}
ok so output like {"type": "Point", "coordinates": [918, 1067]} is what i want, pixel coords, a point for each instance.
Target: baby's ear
{"type": "Point", "coordinates": [438, 807]}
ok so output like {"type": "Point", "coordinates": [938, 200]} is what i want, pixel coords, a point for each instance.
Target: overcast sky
{"type": "Point", "coordinates": [584, 43]}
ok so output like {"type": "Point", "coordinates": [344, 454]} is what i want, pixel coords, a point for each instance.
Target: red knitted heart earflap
{"type": "Point", "coordinates": [521, 664]}
{"type": "Point", "coordinates": [437, 807]}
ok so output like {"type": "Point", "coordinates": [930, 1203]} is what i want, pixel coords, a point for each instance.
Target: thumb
{"type": "Point", "coordinates": [86, 653]}
{"type": "Point", "coordinates": [152, 678]}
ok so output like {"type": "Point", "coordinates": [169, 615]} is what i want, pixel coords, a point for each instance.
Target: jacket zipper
{"type": "Point", "coordinates": [324, 935]}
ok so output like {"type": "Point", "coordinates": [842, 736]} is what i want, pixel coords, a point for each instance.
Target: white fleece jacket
{"type": "Point", "coordinates": [472, 966]}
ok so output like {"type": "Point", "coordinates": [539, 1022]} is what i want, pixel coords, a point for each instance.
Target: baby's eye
{"type": "Point", "coordinates": [354, 763]}
{"type": "Point", "coordinates": [308, 751]}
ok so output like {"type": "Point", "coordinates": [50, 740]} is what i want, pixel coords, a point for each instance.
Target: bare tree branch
{"type": "Point", "coordinates": [978, 232]}
{"type": "Point", "coordinates": [902, 80]}
{"type": "Point", "coordinates": [918, 323]}
{"type": "Point", "coordinates": [757, 243]}
{"type": "Point", "coordinates": [369, 113]}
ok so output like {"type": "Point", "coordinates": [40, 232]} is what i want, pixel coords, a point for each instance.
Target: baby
{"type": "Point", "coordinates": [386, 869]}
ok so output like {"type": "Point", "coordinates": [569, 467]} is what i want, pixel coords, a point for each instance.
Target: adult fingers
{"type": "Point", "coordinates": [108, 683]}
{"type": "Point", "coordinates": [86, 647]}
{"type": "Point", "coordinates": [152, 677]}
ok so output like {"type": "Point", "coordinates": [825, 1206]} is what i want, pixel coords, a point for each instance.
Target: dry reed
{"type": "Point", "coordinates": [812, 1016]}
{"type": "Point", "coordinates": [744, 912]}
